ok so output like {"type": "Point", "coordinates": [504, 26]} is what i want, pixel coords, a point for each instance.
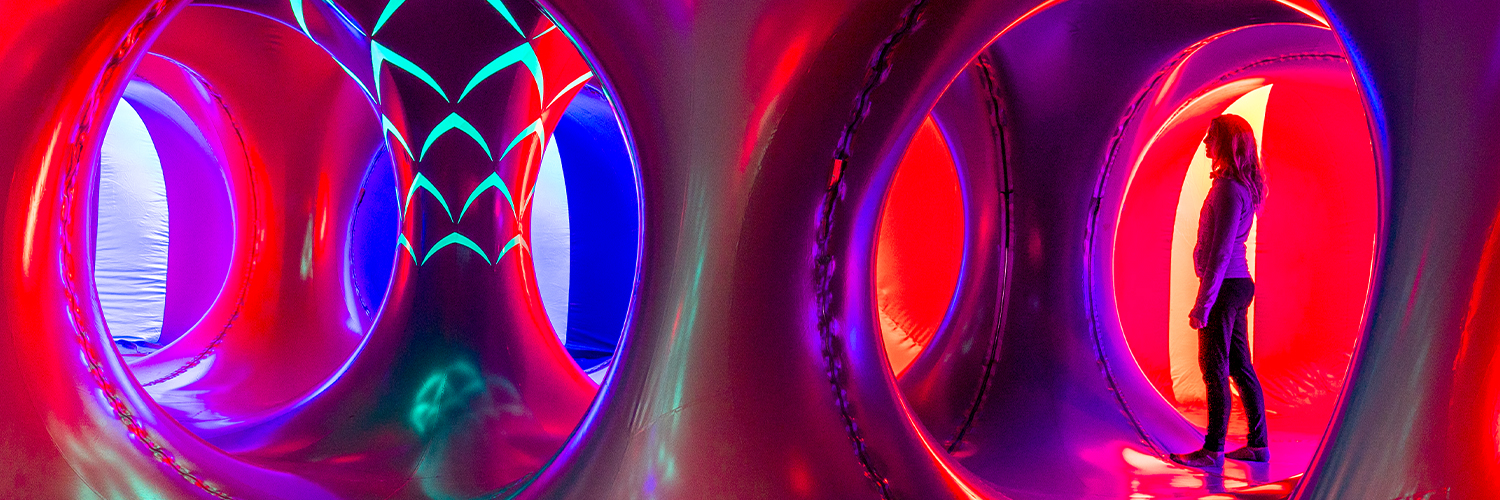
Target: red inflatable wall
{"type": "Point", "coordinates": [920, 247]}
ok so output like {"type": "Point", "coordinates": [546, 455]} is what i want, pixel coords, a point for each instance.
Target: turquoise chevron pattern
{"type": "Point", "coordinates": [391, 131]}
{"type": "Point", "coordinates": [392, 5]}
{"type": "Point", "coordinates": [493, 181]}
{"type": "Point", "coordinates": [420, 182]}
{"type": "Point", "coordinates": [455, 122]}
{"type": "Point", "coordinates": [523, 56]}
{"type": "Point", "coordinates": [455, 238]}
{"type": "Point", "coordinates": [380, 55]}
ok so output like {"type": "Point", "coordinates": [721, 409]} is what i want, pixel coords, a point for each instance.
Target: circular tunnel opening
{"type": "Point", "coordinates": [586, 231]}
{"type": "Point", "coordinates": [280, 185]}
{"type": "Point", "coordinates": [1310, 250]}
{"type": "Point", "coordinates": [260, 312]}
{"type": "Point", "coordinates": [152, 287]}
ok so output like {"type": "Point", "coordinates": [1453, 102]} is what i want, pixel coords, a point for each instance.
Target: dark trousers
{"type": "Point", "coordinates": [1223, 353]}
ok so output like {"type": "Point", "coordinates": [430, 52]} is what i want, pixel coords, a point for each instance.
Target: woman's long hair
{"type": "Point", "coordinates": [1236, 156]}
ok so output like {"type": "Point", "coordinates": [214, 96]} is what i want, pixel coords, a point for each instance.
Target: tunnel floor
{"type": "Point", "coordinates": [1140, 475]}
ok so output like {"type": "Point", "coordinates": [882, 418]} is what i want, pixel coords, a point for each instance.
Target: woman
{"type": "Point", "coordinates": [1225, 290]}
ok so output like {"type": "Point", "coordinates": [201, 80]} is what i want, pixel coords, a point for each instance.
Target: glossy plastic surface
{"type": "Point", "coordinates": [766, 134]}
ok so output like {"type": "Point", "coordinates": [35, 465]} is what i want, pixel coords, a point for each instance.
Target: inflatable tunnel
{"type": "Point", "coordinates": [582, 249]}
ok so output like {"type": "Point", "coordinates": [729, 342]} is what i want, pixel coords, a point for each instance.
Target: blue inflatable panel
{"type": "Point", "coordinates": [604, 213]}
{"type": "Point", "coordinates": [372, 246]}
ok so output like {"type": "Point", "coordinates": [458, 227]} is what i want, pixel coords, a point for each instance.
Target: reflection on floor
{"type": "Point", "coordinates": [1151, 477]}
{"type": "Point", "coordinates": [1132, 471]}
{"type": "Point", "coordinates": [1293, 442]}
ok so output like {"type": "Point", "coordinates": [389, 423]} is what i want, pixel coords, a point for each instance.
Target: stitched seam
{"type": "Point", "coordinates": [824, 265]}
{"type": "Point", "coordinates": [1093, 223]}
{"type": "Point", "coordinates": [349, 255]}
{"type": "Point", "coordinates": [117, 403]}
{"type": "Point", "coordinates": [997, 132]}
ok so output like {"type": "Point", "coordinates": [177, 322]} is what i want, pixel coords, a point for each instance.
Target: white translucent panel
{"type": "Point", "coordinates": [130, 260]}
{"type": "Point", "coordinates": [550, 251]}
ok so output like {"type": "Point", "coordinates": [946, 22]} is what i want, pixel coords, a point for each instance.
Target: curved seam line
{"type": "Point", "coordinates": [349, 255]}
{"type": "Point", "coordinates": [992, 359]}
{"type": "Point", "coordinates": [119, 405]}
{"type": "Point", "coordinates": [876, 72]}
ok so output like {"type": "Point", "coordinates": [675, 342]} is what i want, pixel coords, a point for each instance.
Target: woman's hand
{"type": "Point", "coordinates": [1198, 317]}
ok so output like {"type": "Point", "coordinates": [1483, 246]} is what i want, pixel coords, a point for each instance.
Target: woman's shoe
{"type": "Point", "coordinates": [1200, 459]}
{"type": "Point", "coordinates": [1248, 454]}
